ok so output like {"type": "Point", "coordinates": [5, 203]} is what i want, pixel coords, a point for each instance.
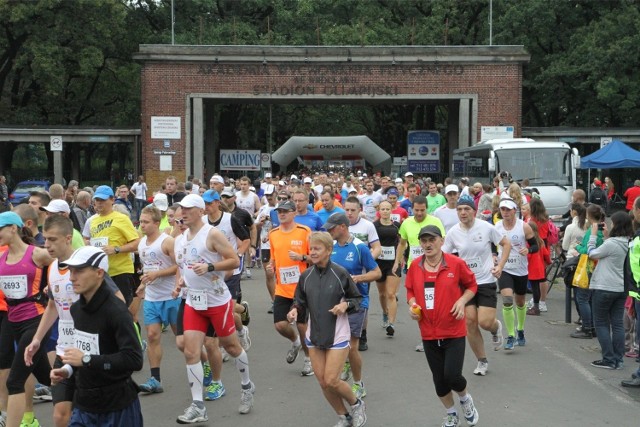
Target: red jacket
{"type": "Point", "coordinates": [537, 263]}
{"type": "Point", "coordinates": [453, 278]}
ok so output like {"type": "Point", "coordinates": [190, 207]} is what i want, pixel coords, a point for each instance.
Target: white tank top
{"type": "Point", "coordinates": [209, 289]}
{"type": "Point", "coordinates": [248, 203]}
{"type": "Point", "coordinates": [517, 264]}
{"type": "Point", "coordinates": [154, 259]}
{"type": "Point", "coordinates": [224, 226]}
{"type": "Point", "coordinates": [61, 289]}
{"type": "Point", "coordinates": [179, 257]}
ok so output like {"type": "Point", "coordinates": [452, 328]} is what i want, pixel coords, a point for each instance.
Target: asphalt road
{"type": "Point", "coordinates": [547, 383]}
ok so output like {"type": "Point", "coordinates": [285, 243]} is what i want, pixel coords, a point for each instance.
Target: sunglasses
{"type": "Point", "coordinates": [179, 221]}
{"type": "Point", "coordinates": [283, 198]}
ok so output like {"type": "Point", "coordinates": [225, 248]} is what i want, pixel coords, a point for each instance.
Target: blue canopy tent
{"type": "Point", "coordinates": [614, 155]}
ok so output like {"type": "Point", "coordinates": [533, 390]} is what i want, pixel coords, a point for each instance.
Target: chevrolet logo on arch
{"type": "Point", "coordinates": [328, 146]}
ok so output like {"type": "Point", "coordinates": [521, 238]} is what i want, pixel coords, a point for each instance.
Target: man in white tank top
{"type": "Point", "coordinates": [247, 199]}
{"type": "Point", "coordinates": [207, 255]}
{"type": "Point", "coordinates": [156, 285]}
{"type": "Point", "coordinates": [513, 279]}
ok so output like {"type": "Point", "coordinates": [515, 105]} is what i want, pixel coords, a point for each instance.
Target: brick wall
{"type": "Point", "coordinates": [167, 85]}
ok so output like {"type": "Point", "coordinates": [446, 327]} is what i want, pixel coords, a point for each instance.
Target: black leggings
{"type": "Point", "coordinates": [535, 289]}
{"type": "Point", "coordinates": [11, 357]}
{"type": "Point", "coordinates": [445, 358]}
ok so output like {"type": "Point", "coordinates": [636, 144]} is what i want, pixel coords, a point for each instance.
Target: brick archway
{"type": "Point", "coordinates": [482, 85]}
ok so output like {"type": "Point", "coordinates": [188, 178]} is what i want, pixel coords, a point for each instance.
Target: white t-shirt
{"type": "Point", "coordinates": [448, 216]}
{"type": "Point", "coordinates": [474, 246]}
{"type": "Point", "coordinates": [370, 204]}
{"type": "Point", "coordinates": [265, 211]}
{"type": "Point", "coordinates": [365, 231]}
{"type": "Point", "coordinates": [140, 190]}
{"type": "Point", "coordinates": [517, 264]}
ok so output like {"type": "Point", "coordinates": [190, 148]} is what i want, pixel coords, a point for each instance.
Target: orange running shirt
{"type": "Point", "coordinates": [287, 271]}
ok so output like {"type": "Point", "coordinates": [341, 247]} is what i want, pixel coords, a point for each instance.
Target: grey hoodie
{"type": "Point", "coordinates": [607, 276]}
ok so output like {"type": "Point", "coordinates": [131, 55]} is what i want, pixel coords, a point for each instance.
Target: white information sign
{"type": "Point", "coordinates": [165, 127]}
{"type": "Point", "coordinates": [56, 143]}
{"type": "Point", "coordinates": [496, 132]}
{"type": "Point", "coordinates": [605, 140]}
{"type": "Point", "coordinates": [240, 160]}
{"type": "Point", "coordinates": [265, 160]}
{"type": "Point", "coordinates": [166, 163]}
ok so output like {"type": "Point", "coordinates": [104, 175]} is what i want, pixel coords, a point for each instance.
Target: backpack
{"type": "Point", "coordinates": [553, 236]}
{"type": "Point", "coordinates": [598, 196]}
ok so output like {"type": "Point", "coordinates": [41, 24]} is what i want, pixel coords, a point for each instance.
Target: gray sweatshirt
{"type": "Point", "coordinates": [607, 276]}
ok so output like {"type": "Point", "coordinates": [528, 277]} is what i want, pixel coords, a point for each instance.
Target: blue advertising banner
{"type": "Point", "coordinates": [423, 151]}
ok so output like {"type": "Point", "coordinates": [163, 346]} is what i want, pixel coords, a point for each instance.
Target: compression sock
{"type": "Point", "coordinates": [242, 365]}
{"type": "Point", "coordinates": [521, 312]}
{"type": "Point", "coordinates": [28, 418]}
{"type": "Point", "coordinates": [155, 373]}
{"type": "Point", "coordinates": [509, 318]}
{"type": "Point", "coordinates": [195, 375]}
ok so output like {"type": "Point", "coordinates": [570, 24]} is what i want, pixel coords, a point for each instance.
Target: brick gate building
{"type": "Point", "coordinates": [481, 85]}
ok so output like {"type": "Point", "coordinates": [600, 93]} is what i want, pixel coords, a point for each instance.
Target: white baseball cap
{"type": "Point", "coordinates": [308, 180]}
{"type": "Point", "coordinates": [161, 202]}
{"type": "Point", "coordinates": [56, 206]}
{"type": "Point", "coordinates": [192, 201]}
{"type": "Point", "coordinates": [217, 178]}
{"type": "Point", "coordinates": [450, 188]}
{"type": "Point", "coordinates": [87, 256]}
{"type": "Point", "coordinates": [398, 180]}
{"type": "Point", "coordinates": [508, 203]}
{"type": "Point", "coordinates": [408, 174]}
{"type": "Point", "coordinates": [267, 175]}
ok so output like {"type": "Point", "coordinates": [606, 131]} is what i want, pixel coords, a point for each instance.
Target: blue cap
{"type": "Point", "coordinates": [210, 196]}
{"type": "Point", "coordinates": [10, 218]}
{"type": "Point", "coordinates": [393, 192]}
{"type": "Point", "coordinates": [103, 192]}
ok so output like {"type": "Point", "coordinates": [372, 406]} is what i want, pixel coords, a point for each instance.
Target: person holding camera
{"type": "Point", "coordinates": [595, 217]}
{"type": "Point", "coordinates": [607, 286]}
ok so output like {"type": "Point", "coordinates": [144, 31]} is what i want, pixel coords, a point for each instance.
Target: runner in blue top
{"type": "Point", "coordinates": [304, 215]}
{"type": "Point", "coordinates": [355, 257]}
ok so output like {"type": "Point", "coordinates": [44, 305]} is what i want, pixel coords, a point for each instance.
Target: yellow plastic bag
{"type": "Point", "coordinates": [583, 272]}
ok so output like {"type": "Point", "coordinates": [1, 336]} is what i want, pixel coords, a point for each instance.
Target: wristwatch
{"type": "Point", "coordinates": [86, 360]}
{"type": "Point", "coordinates": [211, 267]}
{"type": "Point", "coordinates": [116, 249]}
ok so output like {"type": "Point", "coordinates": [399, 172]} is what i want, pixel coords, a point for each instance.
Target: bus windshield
{"type": "Point", "coordinates": [548, 166]}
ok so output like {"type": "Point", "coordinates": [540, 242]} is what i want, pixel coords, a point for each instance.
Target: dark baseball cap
{"type": "Point", "coordinates": [336, 219]}
{"type": "Point", "coordinates": [286, 205]}
{"type": "Point", "coordinates": [430, 230]}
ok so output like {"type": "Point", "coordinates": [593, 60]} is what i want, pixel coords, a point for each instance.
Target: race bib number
{"type": "Point", "coordinates": [99, 242]}
{"type": "Point", "coordinates": [197, 299]}
{"type": "Point", "coordinates": [14, 287]}
{"type": "Point", "coordinates": [150, 268]}
{"type": "Point", "coordinates": [66, 334]}
{"type": "Point", "coordinates": [415, 252]}
{"type": "Point", "coordinates": [86, 342]}
{"type": "Point", "coordinates": [388, 253]}
{"type": "Point", "coordinates": [396, 217]}
{"type": "Point", "coordinates": [475, 265]}
{"type": "Point", "coordinates": [429, 296]}
{"type": "Point", "coordinates": [514, 260]}
{"type": "Point", "coordinates": [289, 275]}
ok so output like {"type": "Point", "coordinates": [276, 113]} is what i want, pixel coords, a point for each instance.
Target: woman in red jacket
{"type": "Point", "coordinates": [540, 218]}
{"type": "Point", "coordinates": [438, 288]}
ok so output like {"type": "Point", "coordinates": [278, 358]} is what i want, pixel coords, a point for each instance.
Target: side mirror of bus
{"type": "Point", "coordinates": [491, 164]}
{"type": "Point", "coordinates": [576, 158]}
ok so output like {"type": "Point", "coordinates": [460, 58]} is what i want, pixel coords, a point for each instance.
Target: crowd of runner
{"type": "Point", "coordinates": [79, 266]}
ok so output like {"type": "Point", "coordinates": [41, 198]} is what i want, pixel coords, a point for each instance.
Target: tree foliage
{"type": "Point", "coordinates": [68, 62]}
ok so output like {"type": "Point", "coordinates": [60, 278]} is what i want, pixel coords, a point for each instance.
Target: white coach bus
{"type": "Point", "coordinates": [549, 166]}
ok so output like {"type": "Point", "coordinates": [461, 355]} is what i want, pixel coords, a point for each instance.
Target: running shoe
{"type": "Point", "coordinates": [481, 369]}
{"type": "Point", "coordinates": [362, 345]}
{"type": "Point", "coordinates": [208, 375]}
{"type": "Point", "coordinates": [385, 321]}
{"type": "Point", "coordinates": [345, 375]}
{"type": "Point", "coordinates": [214, 391]}
{"type": "Point", "coordinates": [420, 347]}
{"type": "Point", "coordinates": [193, 415]}
{"type": "Point", "coordinates": [292, 354]}
{"type": "Point", "coordinates": [307, 369]}
{"type": "Point", "coordinates": [470, 411]}
{"type": "Point", "coordinates": [343, 422]}
{"type": "Point", "coordinates": [225, 355]}
{"type": "Point", "coordinates": [34, 423]}
{"type": "Point", "coordinates": [497, 339]}
{"type": "Point", "coordinates": [165, 326]}
{"type": "Point", "coordinates": [530, 303]}
{"type": "Point", "coordinates": [246, 399]}
{"type": "Point", "coordinates": [508, 345]}
{"type": "Point", "coordinates": [270, 311]}
{"type": "Point", "coordinates": [391, 330]}
{"type": "Point", "coordinates": [451, 420]}
{"type": "Point", "coordinates": [543, 307]}
{"type": "Point", "coordinates": [602, 364]}
{"type": "Point", "coordinates": [358, 414]}
{"type": "Point", "coordinates": [151, 386]}
{"type": "Point", "coordinates": [245, 317]}
{"type": "Point", "coordinates": [245, 341]}
{"type": "Point", "coordinates": [144, 345]}
{"type": "Point", "coordinates": [3, 420]}
{"type": "Point", "coordinates": [247, 273]}
{"type": "Point", "coordinates": [42, 392]}
{"type": "Point", "coordinates": [533, 311]}
{"type": "Point", "coordinates": [520, 340]}
{"type": "Point", "coordinates": [359, 390]}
